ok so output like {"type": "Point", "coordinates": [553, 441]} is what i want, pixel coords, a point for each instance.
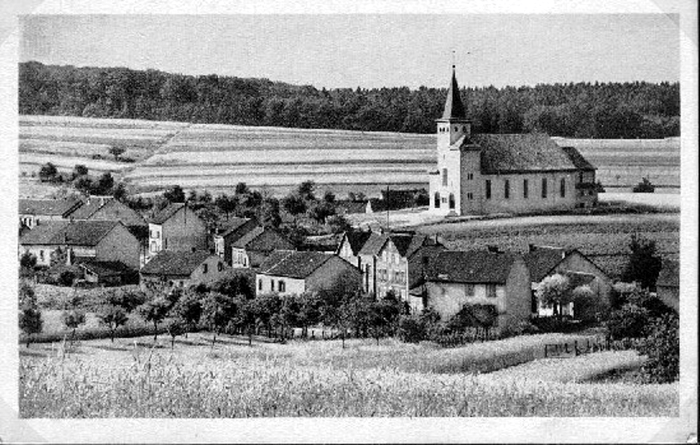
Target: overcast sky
{"type": "Point", "coordinates": [368, 50]}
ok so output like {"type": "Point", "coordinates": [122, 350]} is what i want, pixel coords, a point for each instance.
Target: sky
{"type": "Point", "coordinates": [368, 51]}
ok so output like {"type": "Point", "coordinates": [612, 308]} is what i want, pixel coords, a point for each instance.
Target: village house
{"type": "Point", "coordinates": [544, 261]}
{"type": "Point", "coordinates": [395, 262]}
{"type": "Point", "coordinates": [183, 268]}
{"type": "Point", "coordinates": [348, 207]}
{"type": "Point", "coordinates": [668, 284]}
{"type": "Point", "coordinates": [70, 242]}
{"type": "Point", "coordinates": [231, 230]}
{"type": "Point", "coordinates": [350, 246]}
{"type": "Point", "coordinates": [498, 279]}
{"type": "Point", "coordinates": [176, 227]}
{"type": "Point", "coordinates": [255, 246]}
{"type": "Point", "coordinates": [33, 212]}
{"type": "Point", "coordinates": [503, 173]}
{"type": "Point", "coordinates": [291, 272]}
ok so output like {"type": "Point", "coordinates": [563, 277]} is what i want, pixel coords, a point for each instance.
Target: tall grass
{"type": "Point", "coordinates": [255, 382]}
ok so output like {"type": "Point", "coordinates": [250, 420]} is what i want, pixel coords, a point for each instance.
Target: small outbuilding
{"type": "Point", "coordinates": [181, 268]}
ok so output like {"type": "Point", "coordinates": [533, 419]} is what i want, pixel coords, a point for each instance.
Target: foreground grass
{"type": "Point", "coordinates": [302, 379]}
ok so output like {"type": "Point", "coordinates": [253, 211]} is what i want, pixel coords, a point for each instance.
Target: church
{"type": "Point", "coordinates": [503, 173]}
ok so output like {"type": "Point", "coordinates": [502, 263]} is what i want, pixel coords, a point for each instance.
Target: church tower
{"type": "Point", "coordinates": [453, 131]}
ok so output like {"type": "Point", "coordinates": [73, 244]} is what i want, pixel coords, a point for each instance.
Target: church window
{"type": "Point", "coordinates": [470, 195]}
{"type": "Point", "coordinates": [563, 187]}
{"type": "Point", "coordinates": [437, 200]}
{"type": "Point", "coordinates": [452, 201]}
{"type": "Point", "coordinates": [488, 189]}
{"type": "Point", "coordinates": [506, 190]}
{"type": "Point", "coordinates": [544, 187]}
{"type": "Point", "coordinates": [444, 176]}
{"type": "Point", "coordinates": [525, 190]}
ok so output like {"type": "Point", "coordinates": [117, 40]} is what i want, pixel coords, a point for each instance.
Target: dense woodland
{"type": "Point", "coordinates": [583, 110]}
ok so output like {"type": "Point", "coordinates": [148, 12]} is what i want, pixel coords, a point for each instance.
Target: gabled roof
{"type": "Point", "coordinates": [48, 207]}
{"type": "Point", "coordinates": [504, 153]}
{"type": "Point", "coordinates": [103, 268]}
{"type": "Point", "coordinates": [77, 233]}
{"type": "Point", "coordinates": [167, 212]}
{"type": "Point", "coordinates": [263, 239]}
{"type": "Point", "coordinates": [471, 266]}
{"type": "Point", "coordinates": [454, 108]}
{"type": "Point", "coordinates": [541, 261]}
{"type": "Point", "coordinates": [352, 206]}
{"type": "Point", "coordinates": [356, 239]}
{"type": "Point", "coordinates": [179, 263]}
{"type": "Point", "coordinates": [274, 258]}
{"type": "Point", "coordinates": [577, 158]}
{"type": "Point", "coordinates": [89, 207]}
{"type": "Point", "coordinates": [669, 276]}
{"type": "Point", "coordinates": [374, 244]}
{"type": "Point", "coordinates": [298, 264]}
{"type": "Point", "coordinates": [232, 225]}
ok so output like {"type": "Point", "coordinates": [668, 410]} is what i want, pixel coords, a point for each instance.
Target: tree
{"type": "Point", "coordinates": [104, 184]}
{"type": "Point", "coordinates": [306, 190]}
{"type": "Point", "coordinates": [128, 300]}
{"type": "Point", "coordinates": [662, 348]}
{"type": "Point", "coordinates": [120, 193]}
{"type": "Point", "coordinates": [48, 172]}
{"type": "Point", "coordinates": [338, 224]}
{"type": "Point", "coordinates": [116, 151]}
{"type": "Point", "coordinates": [155, 311]}
{"type": "Point", "coordinates": [294, 204]}
{"type": "Point", "coordinates": [83, 184]}
{"type": "Point", "coordinates": [175, 328]}
{"type": "Point", "coordinates": [112, 317]}
{"type": "Point", "coordinates": [643, 265]}
{"type": "Point", "coordinates": [269, 213]}
{"type": "Point", "coordinates": [320, 211]}
{"type": "Point", "coordinates": [73, 319]}
{"type": "Point", "coordinates": [27, 261]}
{"type": "Point", "coordinates": [242, 189]}
{"type": "Point", "coordinates": [79, 170]}
{"type": "Point", "coordinates": [175, 194]}
{"type": "Point", "coordinates": [627, 322]}
{"type": "Point", "coordinates": [30, 320]}
{"type": "Point", "coordinates": [226, 204]}
{"type": "Point", "coordinates": [218, 310]}
{"type": "Point", "coordinates": [554, 291]}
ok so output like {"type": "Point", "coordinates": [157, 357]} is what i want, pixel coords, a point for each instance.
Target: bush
{"type": "Point", "coordinates": [644, 187]}
{"type": "Point", "coordinates": [412, 329]}
{"type": "Point", "coordinates": [628, 322]}
{"type": "Point", "coordinates": [519, 328]}
{"type": "Point", "coordinates": [662, 349]}
{"type": "Point", "coordinates": [66, 278]}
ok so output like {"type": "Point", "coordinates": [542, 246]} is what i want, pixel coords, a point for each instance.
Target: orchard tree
{"type": "Point", "coordinates": [644, 264]}
{"type": "Point", "coordinates": [73, 319]}
{"type": "Point", "coordinates": [218, 310]}
{"type": "Point", "coordinates": [155, 311]}
{"type": "Point", "coordinates": [175, 328]}
{"type": "Point", "coordinates": [113, 317]}
{"type": "Point", "coordinates": [174, 194]}
{"type": "Point", "coordinates": [226, 204]}
{"type": "Point", "coordinates": [116, 151]}
{"type": "Point", "coordinates": [188, 309]}
{"type": "Point", "coordinates": [294, 204]}
{"type": "Point", "coordinates": [554, 291]}
{"type": "Point", "coordinates": [48, 172]}
{"type": "Point", "coordinates": [306, 190]}
{"type": "Point", "coordinates": [30, 320]}
{"type": "Point", "coordinates": [79, 170]}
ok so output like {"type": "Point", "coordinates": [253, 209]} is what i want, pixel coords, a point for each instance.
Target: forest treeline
{"type": "Point", "coordinates": [581, 110]}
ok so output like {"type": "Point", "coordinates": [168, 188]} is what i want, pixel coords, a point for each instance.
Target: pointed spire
{"type": "Point", "coordinates": [454, 109]}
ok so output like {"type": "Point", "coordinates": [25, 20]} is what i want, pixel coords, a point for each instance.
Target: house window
{"type": "Point", "coordinates": [437, 200]}
{"type": "Point", "coordinates": [272, 285]}
{"type": "Point", "coordinates": [470, 195]}
{"type": "Point", "coordinates": [281, 286]}
{"type": "Point", "coordinates": [452, 201]}
{"type": "Point", "coordinates": [469, 290]}
{"type": "Point", "coordinates": [544, 187]}
{"type": "Point", "coordinates": [205, 268]}
{"type": "Point", "coordinates": [165, 243]}
{"type": "Point", "coordinates": [506, 190]}
{"type": "Point", "coordinates": [491, 290]}
{"type": "Point", "coordinates": [470, 176]}
{"type": "Point", "coordinates": [444, 176]}
{"type": "Point", "coordinates": [219, 267]}
{"type": "Point", "coordinates": [488, 189]}
{"type": "Point", "coordinates": [260, 284]}
{"type": "Point", "coordinates": [525, 188]}
{"type": "Point", "coordinates": [41, 255]}
{"type": "Point", "coordinates": [563, 187]}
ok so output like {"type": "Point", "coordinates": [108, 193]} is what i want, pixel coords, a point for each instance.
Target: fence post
{"type": "Point", "coordinates": [575, 347]}
{"type": "Point", "coordinates": [545, 351]}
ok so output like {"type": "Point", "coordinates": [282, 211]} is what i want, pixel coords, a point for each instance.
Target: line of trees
{"type": "Point", "coordinates": [586, 110]}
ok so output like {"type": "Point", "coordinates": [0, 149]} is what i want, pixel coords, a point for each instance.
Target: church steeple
{"type": "Point", "coordinates": [454, 108]}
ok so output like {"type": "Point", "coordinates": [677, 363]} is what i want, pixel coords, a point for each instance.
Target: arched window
{"type": "Point", "coordinates": [452, 201]}
{"type": "Point", "coordinates": [437, 200]}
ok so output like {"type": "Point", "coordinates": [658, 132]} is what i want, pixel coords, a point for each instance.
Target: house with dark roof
{"type": "Point", "coordinates": [492, 278]}
{"type": "Point", "coordinates": [33, 212]}
{"type": "Point", "coordinates": [544, 261]}
{"type": "Point", "coordinates": [350, 245]}
{"type": "Point", "coordinates": [70, 241]}
{"type": "Point", "coordinates": [229, 231]}
{"type": "Point", "coordinates": [251, 249]}
{"type": "Point", "coordinates": [503, 173]}
{"type": "Point", "coordinates": [292, 272]}
{"type": "Point", "coordinates": [348, 207]}
{"type": "Point", "coordinates": [183, 268]}
{"type": "Point", "coordinates": [176, 227]}
{"type": "Point", "coordinates": [668, 284]}
{"type": "Point", "coordinates": [395, 262]}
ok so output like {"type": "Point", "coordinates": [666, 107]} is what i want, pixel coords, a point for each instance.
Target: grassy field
{"type": "Point", "coordinates": [223, 155]}
{"type": "Point", "coordinates": [130, 378]}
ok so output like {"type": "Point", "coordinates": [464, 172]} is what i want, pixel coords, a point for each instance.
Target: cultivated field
{"type": "Point", "coordinates": [216, 157]}
{"type": "Point", "coordinates": [132, 379]}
